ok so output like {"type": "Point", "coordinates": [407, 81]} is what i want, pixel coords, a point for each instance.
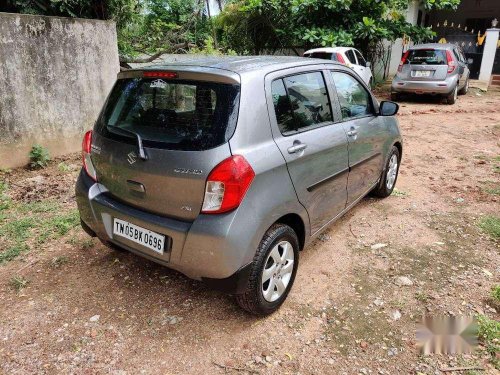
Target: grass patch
{"type": "Point", "coordinates": [495, 295]}
{"type": "Point", "coordinates": [19, 222]}
{"type": "Point", "coordinates": [59, 261]}
{"type": "Point", "coordinates": [63, 167]}
{"type": "Point", "coordinates": [19, 283]}
{"type": "Point", "coordinates": [491, 226]}
{"type": "Point", "coordinates": [489, 336]}
{"type": "Point", "coordinates": [399, 193]}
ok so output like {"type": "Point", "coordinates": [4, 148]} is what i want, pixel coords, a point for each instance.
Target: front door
{"type": "Point", "coordinates": [313, 145]}
{"type": "Point", "coordinates": [365, 133]}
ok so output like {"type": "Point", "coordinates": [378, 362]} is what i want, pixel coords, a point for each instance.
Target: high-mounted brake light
{"type": "Point", "coordinates": [86, 160]}
{"type": "Point", "coordinates": [340, 58]}
{"type": "Point", "coordinates": [227, 185]}
{"type": "Point", "coordinates": [451, 61]}
{"type": "Point", "coordinates": [149, 74]}
{"type": "Point", "coordinates": [403, 61]}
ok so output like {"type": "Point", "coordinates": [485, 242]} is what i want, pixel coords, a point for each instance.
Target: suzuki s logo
{"type": "Point", "coordinates": [132, 157]}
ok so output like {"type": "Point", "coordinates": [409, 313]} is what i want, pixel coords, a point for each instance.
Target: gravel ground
{"type": "Point", "coordinates": [70, 305]}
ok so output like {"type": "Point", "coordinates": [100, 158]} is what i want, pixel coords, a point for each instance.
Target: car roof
{"type": "Point", "coordinates": [235, 64]}
{"type": "Point", "coordinates": [328, 49]}
{"type": "Point", "coordinates": [434, 45]}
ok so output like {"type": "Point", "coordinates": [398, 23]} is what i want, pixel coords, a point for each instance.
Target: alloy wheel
{"type": "Point", "coordinates": [277, 271]}
{"type": "Point", "coordinates": [392, 172]}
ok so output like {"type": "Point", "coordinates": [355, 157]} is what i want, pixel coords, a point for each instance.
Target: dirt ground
{"type": "Point", "coordinates": [70, 305]}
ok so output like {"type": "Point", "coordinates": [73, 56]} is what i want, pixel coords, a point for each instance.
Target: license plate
{"type": "Point", "coordinates": [422, 73]}
{"type": "Point", "coordinates": [142, 236]}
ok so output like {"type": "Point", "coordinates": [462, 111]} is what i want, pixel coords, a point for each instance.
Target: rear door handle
{"type": "Point", "coordinates": [297, 147]}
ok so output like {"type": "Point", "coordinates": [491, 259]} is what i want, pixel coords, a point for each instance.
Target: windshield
{"type": "Point", "coordinates": [427, 56]}
{"type": "Point", "coordinates": [177, 115]}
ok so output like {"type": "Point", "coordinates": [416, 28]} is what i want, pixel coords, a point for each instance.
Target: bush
{"type": "Point", "coordinates": [39, 157]}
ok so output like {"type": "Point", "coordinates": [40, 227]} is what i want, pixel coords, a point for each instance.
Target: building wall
{"type": "Point", "coordinates": [55, 74]}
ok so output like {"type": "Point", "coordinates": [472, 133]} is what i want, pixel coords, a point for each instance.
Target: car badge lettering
{"type": "Point", "coordinates": [188, 171]}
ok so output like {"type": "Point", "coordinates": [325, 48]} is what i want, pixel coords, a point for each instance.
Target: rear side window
{"type": "Point", "coordinates": [355, 100]}
{"type": "Point", "coordinates": [350, 55]}
{"type": "Point", "coordinates": [323, 55]}
{"type": "Point", "coordinates": [301, 101]}
{"type": "Point", "coordinates": [361, 60]}
{"type": "Point", "coordinates": [177, 115]}
{"type": "Point", "coordinates": [427, 56]}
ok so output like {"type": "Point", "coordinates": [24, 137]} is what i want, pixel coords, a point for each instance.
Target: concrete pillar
{"type": "Point", "coordinates": [490, 48]}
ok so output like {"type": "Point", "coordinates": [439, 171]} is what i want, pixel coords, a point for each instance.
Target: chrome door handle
{"type": "Point", "coordinates": [352, 133]}
{"type": "Point", "coordinates": [297, 147]}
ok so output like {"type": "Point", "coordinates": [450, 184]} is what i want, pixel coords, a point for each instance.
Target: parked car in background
{"type": "Point", "coordinates": [225, 168]}
{"type": "Point", "coordinates": [347, 56]}
{"type": "Point", "coordinates": [436, 69]}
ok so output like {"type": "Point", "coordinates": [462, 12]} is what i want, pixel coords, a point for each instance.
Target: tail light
{"type": "Point", "coordinates": [86, 160]}
{"type": "Point", "coordinates": [340, 58]}
{"type": "Point", "coordinates": [451, 62]}
{"type": "Point", "coordinates": [227, 185]}
{"type": "Point", "coordinates": [403, 61]}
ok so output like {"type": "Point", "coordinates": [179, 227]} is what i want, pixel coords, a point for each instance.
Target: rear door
{"type": "Point", "coordinates": [427, 64]}
{"type": "Point", "coordinates": [365, 133]}
{"type": "Point", "coordinates": [364, 72]}
{"type": "Point", "coordinates": [184, 125]}
{"type": "Point", "coordinates": [313, 144]}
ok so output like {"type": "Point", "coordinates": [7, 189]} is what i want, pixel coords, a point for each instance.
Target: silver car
{"type": "Point", "coordinates": [225, 168]}
{"type": "Point", "coordinates": [436, 69]}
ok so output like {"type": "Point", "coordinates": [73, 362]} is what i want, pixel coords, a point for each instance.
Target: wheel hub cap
{"type": "Point", "coordinates": [392, 172]}
{"type": "Point", "coordinates": [277, 271]}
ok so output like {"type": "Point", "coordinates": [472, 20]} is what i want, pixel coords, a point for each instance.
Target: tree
{"type": "Point", "coordinates": [267, 25]}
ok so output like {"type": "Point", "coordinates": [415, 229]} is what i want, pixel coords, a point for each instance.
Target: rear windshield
{"type": "Point", "coordinates": [427, 56]}
{"type": "Point", "coordinates": [322, 55]}
{"type": "Point", "coordinates": [177, 115]}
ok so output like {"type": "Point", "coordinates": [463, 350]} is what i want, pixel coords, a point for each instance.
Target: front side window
{"type": "Point", "coordinates": [177, 115]}
{"type": "Point", "coordinates": [301, 101]}
{"type": "Point", "coordinates": [355, 100]}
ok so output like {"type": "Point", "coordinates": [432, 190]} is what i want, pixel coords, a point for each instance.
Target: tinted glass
{"type": "Point", "coordinates": [427, 56]}
{"type": "Point", "coordinates": [355, 100]}
{"type": "Point", "coordinates": [307, 102]}
{"type": "Point", "coordinates": [179, 115]}
{"type": "Point", "coordinates": [323, 55]}
{"type": "Point", "coordinates": [361, 60]}
{"type": "Point", "coordinates": [282, 107]}
{"type": "Point", "coordinates": [350, 56]}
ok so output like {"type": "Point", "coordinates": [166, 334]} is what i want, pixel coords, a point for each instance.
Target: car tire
{"type": "Point", "coordinates": [262, 296]}
{"type": "Point", "coordinates": [452, 97]}
{"type": "Point", "coordinates": [395, 97]}
{"type": "Point", "coordinates": [389, 175]}
{"type": "Point", "coordinates": [464, 90]}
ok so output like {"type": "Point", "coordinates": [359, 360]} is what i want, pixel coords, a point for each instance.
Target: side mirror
{"type": "Point", "coordinates": [388, 108]}
{"type": "Point", "coordinates": [470, 61]}
{"type": "Point", "coordinates": [368, 64]}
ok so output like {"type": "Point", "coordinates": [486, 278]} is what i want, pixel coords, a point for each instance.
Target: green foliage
{"type": "Point", "coordinates": [489, 335]}
{"type": "Point", "coordinates": [259, 25]}
{"type": "Point", "coordinates": [39, 157]}
{"type": "Point", "coordinates": [491, 225]}
{"type": "Point", "coordinates": [18, 283]}
{"type": "Point", "coordinates": [495, 294]}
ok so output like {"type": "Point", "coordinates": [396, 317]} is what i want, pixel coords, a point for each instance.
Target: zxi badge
{"type": "Point", "coordinates": [131, 157]}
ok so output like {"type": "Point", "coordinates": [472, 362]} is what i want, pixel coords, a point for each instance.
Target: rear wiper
{"type": "Point", "coordinates": [142, 152]}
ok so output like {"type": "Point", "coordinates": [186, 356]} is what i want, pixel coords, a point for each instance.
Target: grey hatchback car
{"type": "Point", "coordinates": [436, 69]}
{"type": "Point", "coordinates": [225, 168]}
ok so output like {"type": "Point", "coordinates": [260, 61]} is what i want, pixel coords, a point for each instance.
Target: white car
{"type": "Point", "coordinates": [345, 55]}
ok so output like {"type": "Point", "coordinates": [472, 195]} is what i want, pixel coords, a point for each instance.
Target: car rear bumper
{"type": "Point", "coordinates": [423, 87]}
{"type": "Point", "coordinates": [205, 249]}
